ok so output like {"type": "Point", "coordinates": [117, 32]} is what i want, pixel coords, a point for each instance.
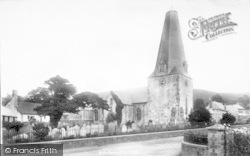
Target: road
{"type": "Point", "coordinates": [166, 147]}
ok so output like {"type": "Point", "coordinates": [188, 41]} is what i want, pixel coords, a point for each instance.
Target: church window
{"type": "Point", "coordinates": [96, 115]}
{"type": "Point", "coordinates": [186, 106]}
{"type": "Point", "coordinates": [138, 114]}
{"type": "Point", "coordinates": [173, 112]}
{"type": "Point", "coordinates": [181, 112]}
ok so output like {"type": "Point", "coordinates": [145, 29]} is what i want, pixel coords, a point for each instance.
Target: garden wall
{"type": "Point", "coordinates": [97, 141]}
{"type": "Point", "coordinates": [189, 149]}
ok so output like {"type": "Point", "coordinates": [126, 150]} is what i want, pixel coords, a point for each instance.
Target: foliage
{"type": "Point", "coordinates": [119, 107]}
{"type": "Point", "coordinates": [201, 116]}
{"type": "Point", "coordinates": [244, 101]}
{"type": "Point", "coordinates": [228, 118]}
{"type": "Point", "coordinates": [199, 103]}
{"type": "Point", "coordinates": [13, 125]}
{"type": "Point", "coordinates": [238, 143]}
{"type": "Point", "coordinates": [55, 99]}
{"type": "Point", "coordinates": [111, 117]}
{"type": "Point", "coordinates": [217, 98]}
{"type": "Point", "coordinates": [8, 97]}
{"type": "Point", "coordinates": [40, 131]}
{"type": "Point", "coordinates": [88, 99]}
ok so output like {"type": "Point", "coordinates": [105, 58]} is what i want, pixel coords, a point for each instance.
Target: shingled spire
{"type": "Point", "coordinates": [171, 57]}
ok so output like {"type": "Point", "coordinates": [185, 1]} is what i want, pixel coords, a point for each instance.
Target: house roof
{"type": "Point", "coordinates": [27, 107]}
{"type": "Point", "coordinates": [5, 111]}
{"type": "Point", "coordinates": [234, 109]}
{"type": "Point", "coordinates": [215, 106]}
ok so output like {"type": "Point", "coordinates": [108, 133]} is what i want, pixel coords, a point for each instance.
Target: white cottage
{"type": "Point", "coordinates": [22, 111]}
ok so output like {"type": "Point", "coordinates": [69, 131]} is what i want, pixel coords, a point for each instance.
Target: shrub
{"type": "Point", "coordinates": [40, 131]}
{"type": "Point", "coordinates": [200, 117]}
{"type": "Point", "coordinates": [228, 118]}
{"type": "Point", "coordinates": [13, 125]}
{"type": "Point", "coordinates": [22, 140]}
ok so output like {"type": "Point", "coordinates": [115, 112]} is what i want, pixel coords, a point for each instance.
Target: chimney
{"type": "Point", "coordinates": [14, 93]}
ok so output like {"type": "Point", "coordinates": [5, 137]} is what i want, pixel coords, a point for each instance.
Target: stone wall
{"type": "Point", "coordinates": [189, 149]}
{"type": "Point", "coordinates": [98, 141]}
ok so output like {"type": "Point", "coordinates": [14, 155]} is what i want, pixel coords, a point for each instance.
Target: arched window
{"type": "Point", "coordinates": [182, 112]}
{"type": "Point", "coordinates": [173, 112]}
{"type": "Point", "coordinates": [138, 114]}
{"type": "Point", "coordinates": [96, 115]}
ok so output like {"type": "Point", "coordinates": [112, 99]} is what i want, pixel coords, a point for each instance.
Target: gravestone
{"type": "Point", "coordinates": [77, 130]}
{"type": "Point", "coordinates": [83, 131]}
{"type": "Point", "coordinates": [100, 128]}
{"type": "Point", "coordinates": [94, 129]}
{"type": "Point", "coordinates": [88, 129]}
{"type": "Point", "coordinates": [63, 132]}
{"type": "Point", "coordinates": [56, 133]}
{"type": "Point", "coordinates": [158, 127]}
{"type": "Point", "coordinates": [164, 126]}
{"type": "Point", "coordinates": [124, 129]}
{"type": "Point", "coordinates": [23, 136]}
{"type": "Point", "coordinates": [111, 128]}
{"type": "Point", "coordinates": [134, 127]}
{"type": "Point", "coordinates": [71, 132]}
{"type": "Point", "coordinates": [150, 126]}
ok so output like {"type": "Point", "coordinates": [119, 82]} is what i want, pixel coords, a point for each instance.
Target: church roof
{"type": "Point", "coordinates": [129, 96]}
{"type": "Point", "coordinates": [171, 51]}
{"type": "Point", "coordinates": [103, 95]}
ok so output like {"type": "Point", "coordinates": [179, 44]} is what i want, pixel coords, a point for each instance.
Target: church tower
{"type": "Point", "coordinates": [170, 89]}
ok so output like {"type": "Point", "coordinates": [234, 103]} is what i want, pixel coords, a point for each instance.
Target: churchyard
{"type": "Point", "coordinates": [38, 132]}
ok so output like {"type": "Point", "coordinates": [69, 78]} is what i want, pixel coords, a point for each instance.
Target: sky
{"type": "Point", "coordinates": [103, 45]}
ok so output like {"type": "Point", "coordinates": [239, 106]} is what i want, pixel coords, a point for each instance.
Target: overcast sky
{"type": "Point", "coordinates": [103, 45]}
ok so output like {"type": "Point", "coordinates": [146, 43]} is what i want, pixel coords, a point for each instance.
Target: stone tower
{"type": "Point", "coordinates": [170, 89]}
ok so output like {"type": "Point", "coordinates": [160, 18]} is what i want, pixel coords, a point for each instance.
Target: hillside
{"type": "Point", "coordinates": [206, 95]}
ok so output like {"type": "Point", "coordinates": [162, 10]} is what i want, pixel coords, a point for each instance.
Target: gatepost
{"type": "Point", "coordinates": [216, 140]}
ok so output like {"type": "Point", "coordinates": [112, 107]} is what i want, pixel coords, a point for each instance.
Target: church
{"type": "Point", "coordinates": [169, 94]}
{"type": "Point", "coordinates": [167, 98]}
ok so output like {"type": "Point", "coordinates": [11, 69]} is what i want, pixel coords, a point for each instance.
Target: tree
{"type": "Point", "coordinates": [244, 101]}
{"type": "Point", "coordinates": [217, 98]}
{"type": "Point", "coordinates": [40, 131]}
{"type": "Point", "coordinates": [55, 99]}
{"type": "Point", "coordinates": [227, 118]}
{"type": "Point", "coordinates": [200, 117]}
{"type": "Point", "coordinates": [88, 99]}
{"type": "Point", "coordinates": [119, 107]}
{"type": "Point", "coordinates": [199, 103]}
{"type": "Point", "coordinates": [8, 97]}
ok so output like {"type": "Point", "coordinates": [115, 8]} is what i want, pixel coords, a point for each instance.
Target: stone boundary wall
{"type": "Point", "coordinates": [189, 149]}
{"type": "Point", "coordinates": [215, 145]}
{"type": "Point", "coordinates": [98, 141]}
